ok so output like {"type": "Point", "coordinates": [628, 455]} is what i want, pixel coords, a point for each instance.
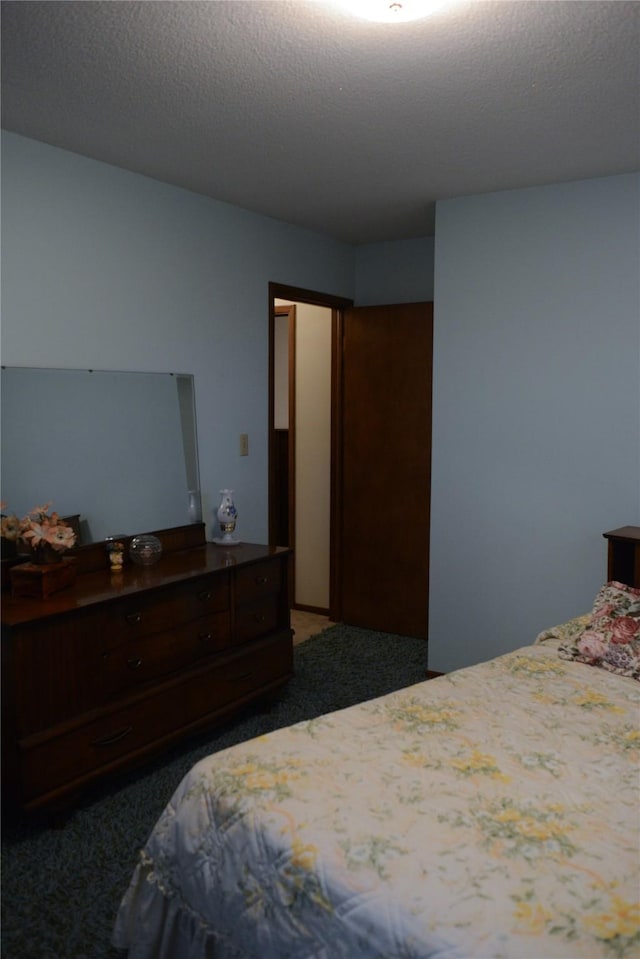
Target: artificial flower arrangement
{"type": "Point", "coordinates": [38, 528]}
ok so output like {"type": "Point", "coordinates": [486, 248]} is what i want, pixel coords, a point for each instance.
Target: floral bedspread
{"type": "Point", "coordinates": [493, 813]}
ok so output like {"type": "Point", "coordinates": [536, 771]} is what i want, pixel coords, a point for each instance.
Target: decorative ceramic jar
{"type": "Point", "coordinates": [227, 516]}
{"type": "Point", "coordinates": [145, 550]}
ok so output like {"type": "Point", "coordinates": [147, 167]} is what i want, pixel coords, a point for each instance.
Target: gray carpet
{"type": "Point", "coordinates": [61, 887]}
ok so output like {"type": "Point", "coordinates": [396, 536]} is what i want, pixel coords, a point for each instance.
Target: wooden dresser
{"type": "Point", "coordinates": [116, 667]}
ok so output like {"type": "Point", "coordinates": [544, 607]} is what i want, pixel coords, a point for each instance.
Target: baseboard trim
{"type": "Point", "coordinates": [319, 610]}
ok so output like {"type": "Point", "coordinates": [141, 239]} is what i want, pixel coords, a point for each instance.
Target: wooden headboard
{"type": "Point", "coordinates": [623, 556]}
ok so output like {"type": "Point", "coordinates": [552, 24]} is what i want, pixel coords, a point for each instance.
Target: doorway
{"type": "Point", "coordinates": [379, 446]}
{"type": "Point", "coordinates": [303, 341]}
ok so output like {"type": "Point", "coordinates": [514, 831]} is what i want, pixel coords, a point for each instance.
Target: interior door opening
{"type": "Point", "coordinates": [372, 406]}
{"type": "Point", "coordinates": [303, 461]}
{"type": "Point", "coordinates": [302, 447]}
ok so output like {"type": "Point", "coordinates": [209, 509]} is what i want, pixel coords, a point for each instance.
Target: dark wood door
{"type": "Point", "coordinates": [386, 467]}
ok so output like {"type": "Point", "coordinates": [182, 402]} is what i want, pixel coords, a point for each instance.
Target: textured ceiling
{"type": "Point", "coordinates": [298, 111]}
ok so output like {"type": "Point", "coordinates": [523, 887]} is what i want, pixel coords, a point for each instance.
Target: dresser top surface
{"type": "Point", "coordinates": [103, 586]}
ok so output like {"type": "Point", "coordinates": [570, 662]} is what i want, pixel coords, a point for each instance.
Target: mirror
{"type": "Point", "coordinates": [119, 449]}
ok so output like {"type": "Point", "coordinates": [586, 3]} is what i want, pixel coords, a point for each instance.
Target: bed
{"type": "Point", "coordinates": [492, 812]}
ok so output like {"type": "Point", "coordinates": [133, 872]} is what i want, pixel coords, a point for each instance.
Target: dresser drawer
{"type": "Point", "coordinates": [153, 612]}
{"type": "Point", "coordinates": [256, 620]}
{"type": "Point", "coordinates": [143, 659]}
{"type": "Point", "coordinates": [49, 763]}
{"type": "Point", "coordinates": [238, 678]}
{"type": "Point", "coordinates": [258, 580]}
{"type": "Point", "coordinates": [53, 671]}
{"type": "Point", "coordinates": [72, 756]}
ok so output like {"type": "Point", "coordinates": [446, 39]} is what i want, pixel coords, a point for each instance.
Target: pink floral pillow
{"type": "Point", "coordinates": [612, 637]}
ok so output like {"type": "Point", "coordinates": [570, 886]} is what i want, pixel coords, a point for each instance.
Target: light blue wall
{"type": "Point", "coordinates": [536, 446]}
{"type": "Point", "coordinates": [395, 272]}
{"type": "Point", "coordinates": [536, 433]}
{"type": "Point", "coordinates": [106, 269]}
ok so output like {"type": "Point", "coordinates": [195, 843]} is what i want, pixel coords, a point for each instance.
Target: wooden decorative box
{"type": "Point", "coordinates": [27, 579]}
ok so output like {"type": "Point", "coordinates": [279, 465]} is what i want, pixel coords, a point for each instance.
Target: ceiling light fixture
{"type": "Point", "coordinates": [391, 11]}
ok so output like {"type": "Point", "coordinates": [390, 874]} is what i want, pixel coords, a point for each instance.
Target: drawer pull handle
{"type": "Point", "coordinates": [134, 663]}
{"type": "Point", "coordinates": [133, 618]}
{"type": "Point", "coordinates": [259, 617]}
{"type": "Point", "coordinates": [205, 637]}
{"type": "Point", "coordinates": [261, 580]}
{"type": "Point", "coordinates": [239, 679]}
{"type": "Point", "coordinates": [205, 595]}
{"type": "Point", "coordinates": [116, 737]}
